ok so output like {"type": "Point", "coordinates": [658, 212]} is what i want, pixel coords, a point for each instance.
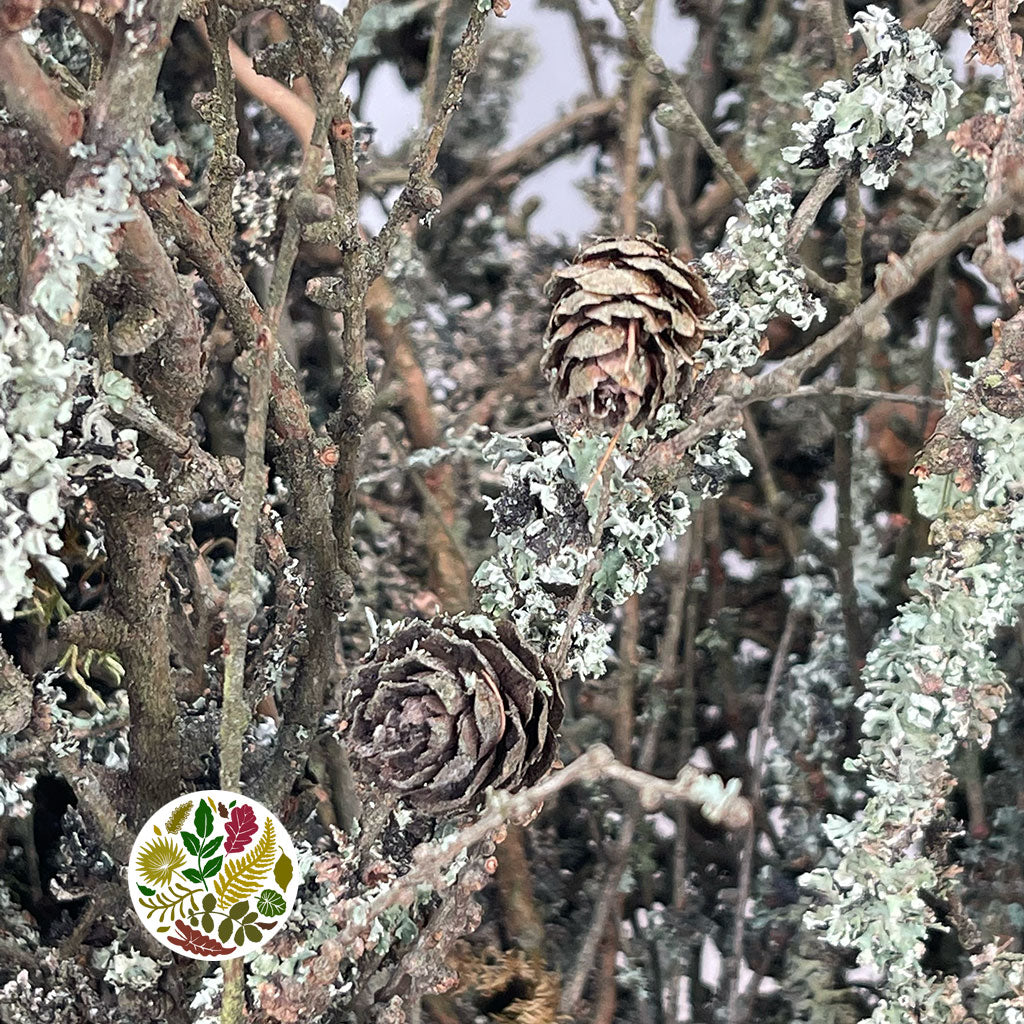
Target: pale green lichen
{"type": "Point", "coordinates": [544, 526]}
{"type": "Point", "coordinates": [902, 87]}
{"type": "Point", "coordinates": [37, 382]}
{"type": "Point", "coordinates": [929, 686]}
{"type": "Point", "coordinates": [44, 388]}
{"type": "Point", "coordinates": [753, 281]}
{"type": "Point", "coordinates": [77, 233]}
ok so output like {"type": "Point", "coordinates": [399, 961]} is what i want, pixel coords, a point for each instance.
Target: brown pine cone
{"type": "Point", "coordinates": [442, 710]}
{"type": "Point", "coordinates": [623, 331]}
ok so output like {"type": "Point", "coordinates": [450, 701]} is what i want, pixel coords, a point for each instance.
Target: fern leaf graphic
{"type": "Point", "coordinates": [171, 900]}
{"type": "Point", "coordinates": [242, 876]}
{"type": "Point", "coordinates": [178, 816]}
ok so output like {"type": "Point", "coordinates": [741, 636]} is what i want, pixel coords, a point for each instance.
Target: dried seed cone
{"type": "Point", "coordinates": [624, 328]}
{"type": "Point", "coordinates": [441, 710]}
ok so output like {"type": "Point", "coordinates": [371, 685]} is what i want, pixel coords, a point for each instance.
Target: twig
{"type": "Point", "coordinates": [998, 265]}
{"type": "Point", "coordinates": [610, 896]}
{"type": "Point", "coordinates": [587, 123]}
{"type": "Point", "coordinates": [823, 187]}
{"type": "Point", "coordinates": [898, 277]}
{"type": "Point", "coordinates": [846, 530]}
{"type": "Point", "coordinates": [771, 490]}
{"type": "Point", "coordinates": [15, 696]}
{"type": "Point", "coordinates": [942, 18]}
{"type": "Point", "coordinates": [287, 104]}
{"type": "Point", "coordinates": [826, 389]}
{"type": "Point", "coordinates": [764, 724]}
{"type": "Point", "coordinates": [241, 608]}
{"type": "Point", "coordinates": [219, 111]}
{"type": "Point", "coordinates": [434, 58]}
{"type": "Point", "coordinates": [679, 115]}
{"type": "Point", "coordinates": [37, 103]}
{"type": "Point", "coordinates": [448, 572]}
{"type": "Point", "coordinates": [586, 44]}
{"type": "Point", "coordinates": [431, 860]}
{"type": "Point", "coordinates": [419, 196]}
{"type": "Point", "coordinates": [636, 103]}
{"type": "Point", "coordinates": [575, 609]}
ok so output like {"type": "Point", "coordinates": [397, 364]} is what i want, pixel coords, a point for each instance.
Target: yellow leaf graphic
{"type": "Point", "coordinates": [241, 877]}
{"type": "Point", "coordinates": [178, 816]}
{"type": "Point", "coordinates": [159, 859]}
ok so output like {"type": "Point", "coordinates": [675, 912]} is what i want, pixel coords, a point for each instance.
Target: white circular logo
{"type": "Point", "coordinates": [213, 875]}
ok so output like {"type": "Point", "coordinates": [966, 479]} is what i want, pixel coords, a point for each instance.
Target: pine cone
{"type": "Point", "coordinates": [622, 334]}
{"type": "Point", "coordinates": [441, 710]}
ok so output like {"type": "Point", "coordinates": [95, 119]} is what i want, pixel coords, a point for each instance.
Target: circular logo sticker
{"type": "Point", "coordinates": [213, 875]}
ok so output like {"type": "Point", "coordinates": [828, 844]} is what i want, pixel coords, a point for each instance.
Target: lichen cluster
{"type": "Point", "coordinates": [754, 280]}
{"type": "Point", "coordinates": [902, 87]}
{"type": "Point", "coordinates": [545, 523]}
{"type": "Point", "coordinates": [930, 685]}
{"type": "Point", "coordinates": [37, 381]}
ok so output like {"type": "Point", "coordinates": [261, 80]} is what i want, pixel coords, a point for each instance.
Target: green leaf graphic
{"type": "Point", "coordinates": [207, 923]}
{"type": "Point", "coordinates": [203, 819]}
{"type": "Point", "coordinates": [191, 843]}
{"type": "Point", "coordinates": [164, 928]}
{"type": "Point", "coordinates": [192, 875]}
{"type": "Point", "coordinates": [239, 910]}
{"type": "Point", "coordinates": [271, 903]}
{"type": "Point", "coordinates": [146, 892]}
{"type": "Point", "coordinates": [283, 871]}
{"type": "Point", "coordinates": [210, 868]}
{"type": "Point", "coordinates": [252, 934]}
{"type": "Point", "coordinates": [211, 847]}
{"type": "Point", "coordinates": [224, 931]}
{"type": "Point", "coordinates": [209, 901]}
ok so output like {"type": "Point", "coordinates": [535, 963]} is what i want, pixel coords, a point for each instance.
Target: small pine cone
{"type": "Point", "coordinates": [623, 331]}
{"type": "Point", "coordinates": [441, 710]}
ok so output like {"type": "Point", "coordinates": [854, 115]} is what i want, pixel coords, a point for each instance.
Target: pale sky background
{"type": "Point", "coordinates": [552, 84]}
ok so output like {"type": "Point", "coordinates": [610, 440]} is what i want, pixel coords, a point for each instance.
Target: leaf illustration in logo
{"type": "Point", "coordinates": [172, 900]}
{"type": "Point", "coordinates": [194, 941]}
{"type": "Point", "coordinates": [271, 903]}
{"type": "Point", "coordinates": [211, 867]}
{"type": "Point", "coordinates": [243, 876]}
{"type": "Point", "coordinates": [211, 847]}
{"type": "Point", "coordinates": [283, 871]}
{"type": "Point", "coordinates": [159, 859]}
{"type": "Point", "coordinates": [203, 820]}
{"type": "Point", "coordinates": [241, 827]}
{"type": "Point", "coordinates": [177, 818]}
{"type": "Point", "coordinates": [222, 810]}
{"type": "Point", "coordinates": [191, 842]}
{"type": "Point", "coordinates": [147, 892]}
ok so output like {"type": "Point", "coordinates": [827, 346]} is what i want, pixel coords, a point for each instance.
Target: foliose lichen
{"type": "Point", "coordinates": [753, 280]}
{"type": "Point", "coordinates": [37, 385]}
{"type": "Point", "coordinates": [900, 88]}
{"type": "Point", "coordinates": [930, 685]}
{"type": "Point", "coordinates": [55, 434]}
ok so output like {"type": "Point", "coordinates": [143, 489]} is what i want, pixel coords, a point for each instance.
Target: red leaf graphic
{"type": "Point", "coordinates": [241, 827]}
{"type": "Point", "coordinates": [192, 940]}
